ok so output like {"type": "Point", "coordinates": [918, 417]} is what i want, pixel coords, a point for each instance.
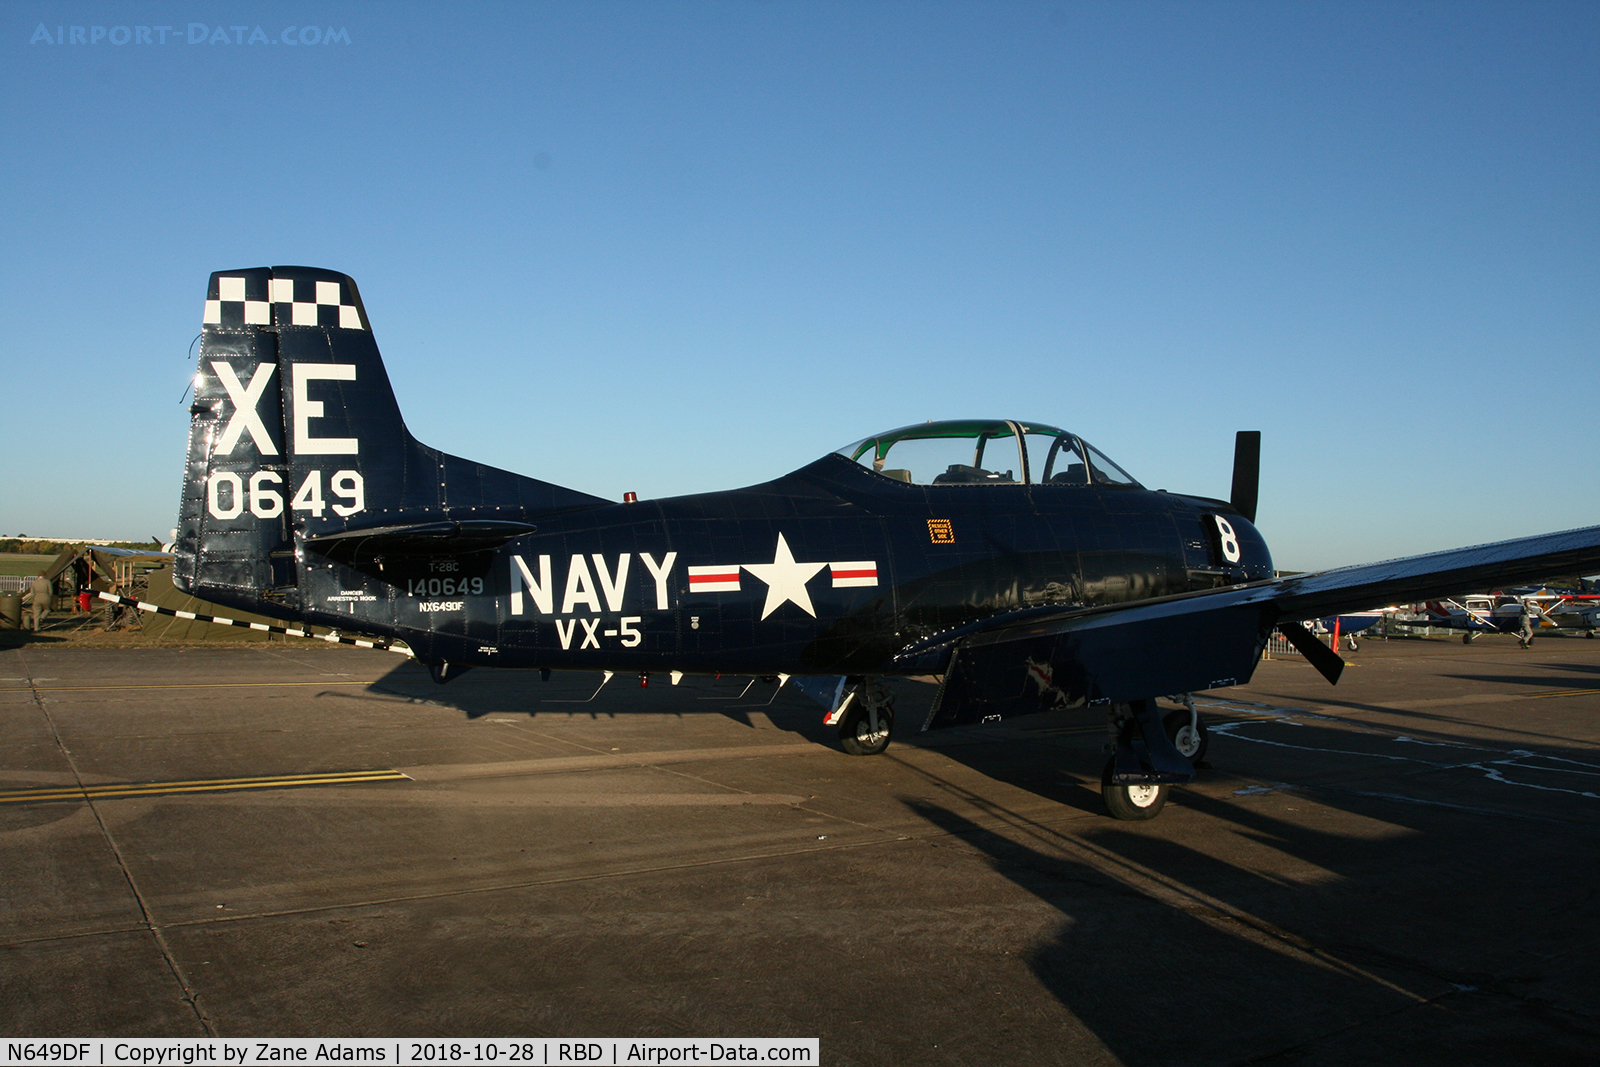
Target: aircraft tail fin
{"type": "Point", "coordinates": [296, 438]}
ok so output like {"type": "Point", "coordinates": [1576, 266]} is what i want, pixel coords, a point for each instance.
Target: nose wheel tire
{"type": "Point", "coordinates": [1188, 738]}
{"type": "Point", "coordinates": [857, 735]}
{"type": "Point", "coordinates": [1131, 803]}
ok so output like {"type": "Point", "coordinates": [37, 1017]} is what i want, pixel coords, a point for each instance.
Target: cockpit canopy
{"type": "Point", "coordinates": [994, 452]}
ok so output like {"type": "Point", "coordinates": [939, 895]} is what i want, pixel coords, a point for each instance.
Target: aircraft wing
{"type": "Point", "coordinates": [1037, 659]}
{"type": "Point", "coordinates": [1309, 596]}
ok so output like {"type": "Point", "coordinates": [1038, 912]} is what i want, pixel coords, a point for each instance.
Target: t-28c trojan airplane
{"type": "Point", "coordinates": [1010, 558]}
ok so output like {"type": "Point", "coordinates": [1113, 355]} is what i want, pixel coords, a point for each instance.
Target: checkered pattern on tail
{"type": "Point", "coordinates": [239, 300]}
{"type": "Point", "coordinates": [218, 620]}
{"type": "Point", "coordinates": [283, 296]}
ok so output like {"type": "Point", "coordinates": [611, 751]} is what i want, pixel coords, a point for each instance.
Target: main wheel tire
{"type": "Point", "coordinates": [1184, 738]}
{"type": "Point", "coordinates": [1468, 638]}
{"type": "Point", "coordinates": [855, 732]}
{"type": "Point", "coordinates": [1131, 803]}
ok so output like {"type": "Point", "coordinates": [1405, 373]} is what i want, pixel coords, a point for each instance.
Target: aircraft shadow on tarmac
{"type": "Point", "coordinates": [12, 639]}
{"type": "Point", "coordinates": [786, 709]}
{"type": "Point", "coordinates": [1420, 911]}
{"type": "Point", "coordinates": [1392, 908]}
{"type": "Point", "coordinates": [1361, 928]}
{"type": "Point", "coordinates": [1552, 681]}
{"type": "Point", "coordinates": [742, 699]}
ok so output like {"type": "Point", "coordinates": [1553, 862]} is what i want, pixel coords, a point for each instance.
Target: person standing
{"type": "Point", "coordinates": [41, 591]}
{"type": "Point", "coordinates": [80, 571]}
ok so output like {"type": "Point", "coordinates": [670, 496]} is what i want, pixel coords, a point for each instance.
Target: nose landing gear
{"type": "Point", "coordinates": [865, 717]}
{"type": "Point", "coordinates": [1187, 731]}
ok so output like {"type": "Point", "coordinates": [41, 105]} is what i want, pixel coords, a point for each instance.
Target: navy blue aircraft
{"type": "Point", "coordinates": [1011, 559]}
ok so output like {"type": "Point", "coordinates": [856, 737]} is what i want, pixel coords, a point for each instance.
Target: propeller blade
{"type": "Point", "coordinates": [1319, 655]}
{"type": "Point", "coordinates": [1246, 472]}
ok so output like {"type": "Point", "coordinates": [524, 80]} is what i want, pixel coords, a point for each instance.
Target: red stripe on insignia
{"type": "Point", "coordinates": [854, 573]}
{"type": "Point", "coordinates": [716, 576]}
{"type": "Point", "coordinates": [714, 579]}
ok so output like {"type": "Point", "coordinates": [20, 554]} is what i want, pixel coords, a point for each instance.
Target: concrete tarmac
{"type": "Point", "coordinates": [287, 841]}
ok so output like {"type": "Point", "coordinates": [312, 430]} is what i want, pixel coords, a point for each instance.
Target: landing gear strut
{"type": "Point", "coordinates": [1187, 731]}
{"type": "Point", "coordinates": [866, 718]}
{"type": "Point", "coordinates": [1149, 754]}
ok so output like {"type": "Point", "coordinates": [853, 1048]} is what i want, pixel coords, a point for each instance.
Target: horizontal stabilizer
{"type": "Point", "coordinates": [442, 538]}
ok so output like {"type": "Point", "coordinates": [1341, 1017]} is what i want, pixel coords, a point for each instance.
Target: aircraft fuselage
{"type": "Point", "coordinates": [830, 570]}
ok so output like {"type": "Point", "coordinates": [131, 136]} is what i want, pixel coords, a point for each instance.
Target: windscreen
{"type": "Point", "coordinates": [985, 453]}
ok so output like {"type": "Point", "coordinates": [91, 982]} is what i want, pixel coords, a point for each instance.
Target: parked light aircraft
{"type": "Point", "coordinates": [1347, 624]}
{"type": "Point", "coordinates": [1574, 611]}
{"type": "Point", "coordinates": [1010, 558]}
{"type": "Point", "coordinates": [1486, 613]}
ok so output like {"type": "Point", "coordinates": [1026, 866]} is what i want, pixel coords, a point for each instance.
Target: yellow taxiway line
{"type": "Point", "coordinates": [212, 785]}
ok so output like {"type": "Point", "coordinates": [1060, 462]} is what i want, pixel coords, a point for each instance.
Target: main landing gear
{"type": "Point", "coordinates": [865, 716]}
{"type": "Point", "coordinates": [1150, 753]}
{"type": "Point", "coordinates": [1132, 802]}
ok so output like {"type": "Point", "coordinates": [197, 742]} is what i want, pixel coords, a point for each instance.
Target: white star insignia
{"type": "Point", "coordinates": [786, 580]}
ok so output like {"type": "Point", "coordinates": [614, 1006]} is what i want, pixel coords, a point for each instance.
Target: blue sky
{"type": "Point", "coordinates": [671, 248]}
